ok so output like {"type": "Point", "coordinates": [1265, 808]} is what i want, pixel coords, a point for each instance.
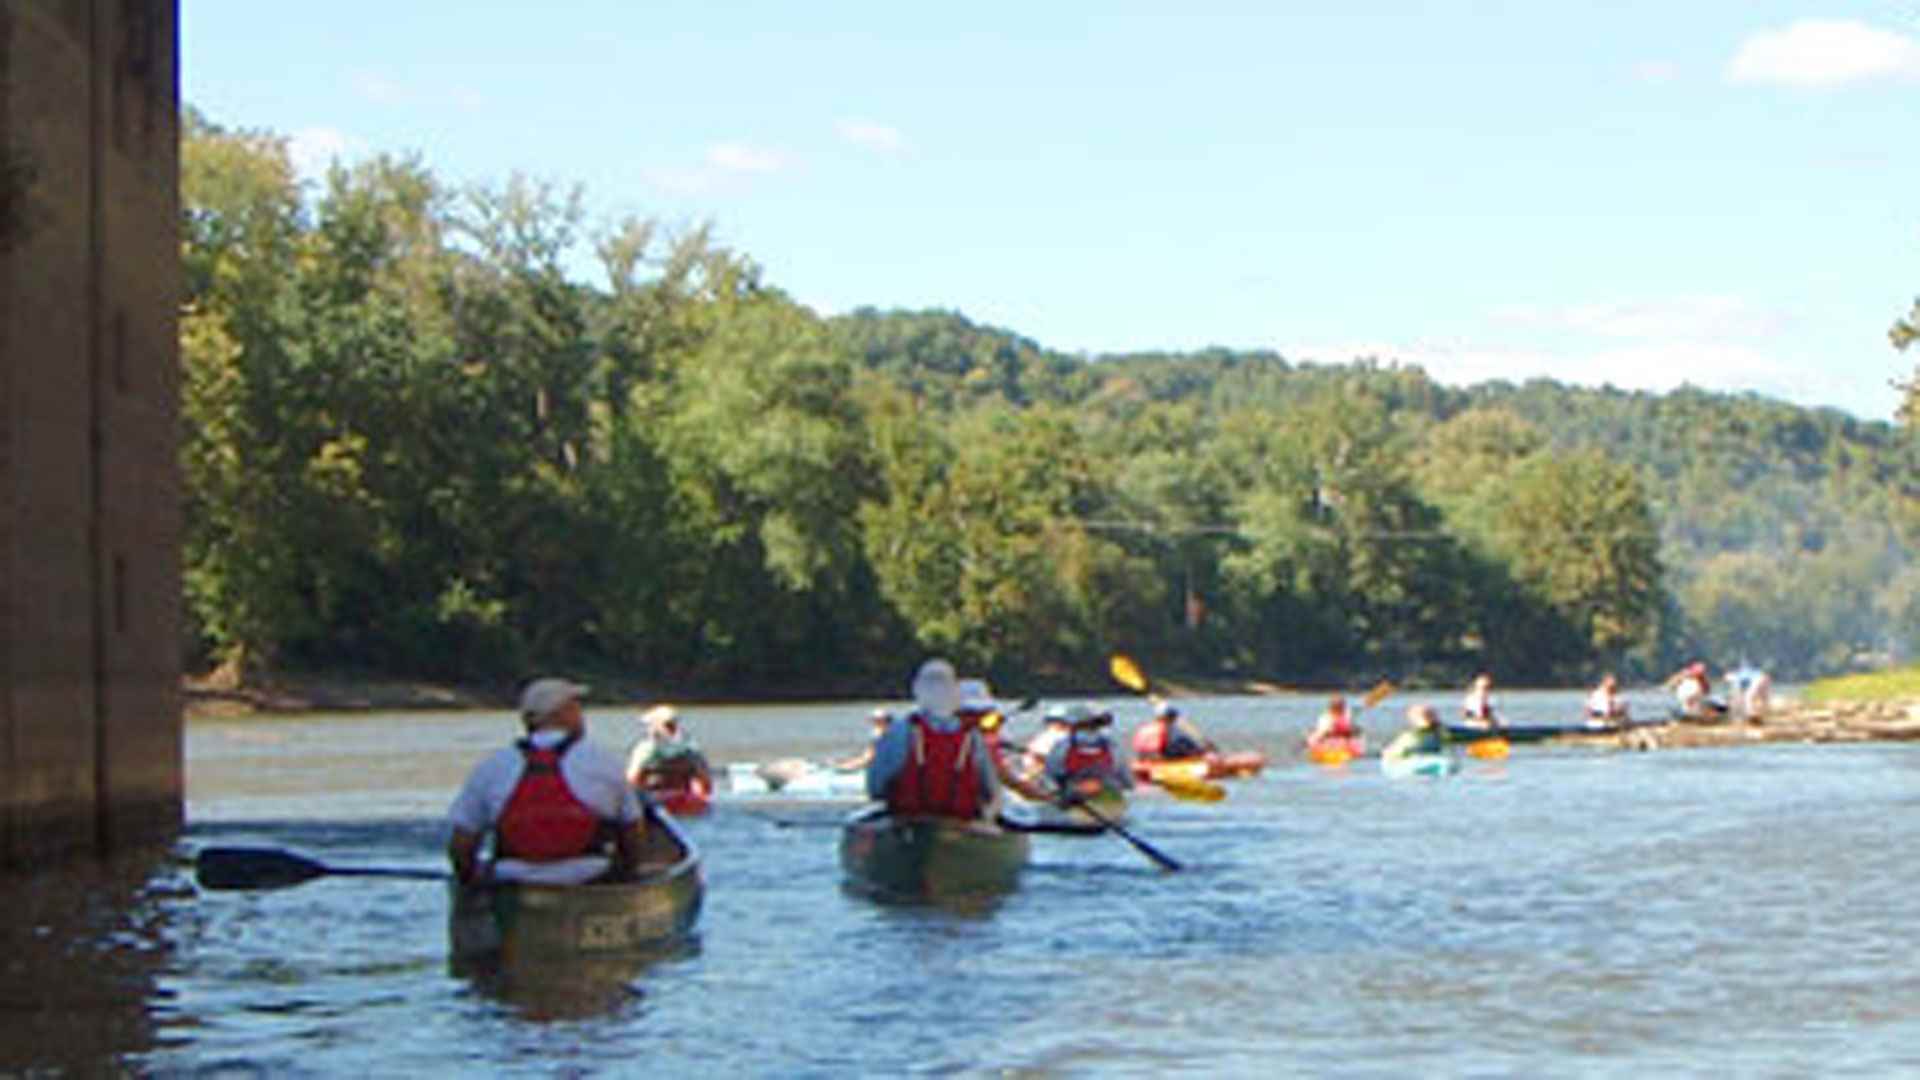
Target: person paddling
{"type": "Point", "coordinates": [1424, 734]}
{"type": "Point", "coordinates": [1055, 724]}
{"type": "Point", "coordinates": [1169, 736]}
{"type": "Point", "coordinates": [666, 756]}
{"type": "Point", "coordinates": [1335, 723]}
{"type": "Point", "coordinates": [928, 762]}
{"type": "Point", "coordinates": [981, 711]}
{"type": "Point", "coordinates": [557, 806]}
{"type": "Point", "coordinates": [1477, 707]}
{"type": "Point", "coordinates": [1085, 763]}
{"type": "Point", "coordinates": [879, 718]}
{"type": "Point", "coordinates": [1690, 691]}
{"type": "Point", "coordinates": [1604, 704]}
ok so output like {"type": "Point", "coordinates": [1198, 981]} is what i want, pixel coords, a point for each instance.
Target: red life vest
{"type": "Point", "coordinates": [1150, 739]}
{"type": "Point", "coordinates": [544, 820]}
{"type": "Point", "coordinates": [1083, 759]}
{"type": "Point", "coordinates": [940, 777]}
{"type": "Point", "coordinates": [1341, 724]}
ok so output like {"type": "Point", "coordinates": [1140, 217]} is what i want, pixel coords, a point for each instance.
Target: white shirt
{"type": "Point", "coordinates": [592, 774]}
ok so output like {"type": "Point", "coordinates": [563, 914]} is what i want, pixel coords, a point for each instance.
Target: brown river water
{"type": "Point", "coordinates": [1563, 912]}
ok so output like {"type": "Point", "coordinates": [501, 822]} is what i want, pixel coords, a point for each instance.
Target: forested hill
{"type": "Point", "coordinates": [417, 443]}
{"type": "Point", "coordinates": [1781, 526]}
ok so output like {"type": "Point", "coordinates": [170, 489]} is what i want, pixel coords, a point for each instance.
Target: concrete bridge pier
{"type": "Point", "coordinates": [90, 712]}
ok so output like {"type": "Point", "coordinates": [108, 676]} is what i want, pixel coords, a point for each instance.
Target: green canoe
{"type": "Point", "coordinates": [512, 920]}
{"type": "Point", "coordinates": [927, 858]}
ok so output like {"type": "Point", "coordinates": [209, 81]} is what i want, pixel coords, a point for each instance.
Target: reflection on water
{"type": "Point", "coordinates": [82, 946]}
{"type": "Point", "coordinates": [544, 988]}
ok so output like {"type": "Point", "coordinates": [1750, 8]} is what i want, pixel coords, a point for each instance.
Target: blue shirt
{"type": "Point", "coordinates": [895, 745]}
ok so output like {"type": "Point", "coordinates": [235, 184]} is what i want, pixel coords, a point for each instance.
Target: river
{"type": "Point", "coordinates": [1563, 912]}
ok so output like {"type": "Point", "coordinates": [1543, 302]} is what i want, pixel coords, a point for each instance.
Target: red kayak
{"type": "Point", "coordinates": [687, 799]}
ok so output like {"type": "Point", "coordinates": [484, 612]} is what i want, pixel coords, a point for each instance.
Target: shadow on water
{"type": "Point", "coordinates": [84, 945]}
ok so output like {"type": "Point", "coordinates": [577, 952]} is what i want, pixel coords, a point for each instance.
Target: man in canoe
{"type": "Point", "coordinates": [1604, 704]}
{"type": "Point", "coordinates": [1084, 764]}
{"type": "Point", "coordinates": [879, 718]}
{"type": "Point", "coordinates": [1424, 734]}
{"type": "Point", "coordinates": [1169, 736]}
{"type": "Point", "coordinates": [554, 802]}
{"type": "Point", "coordinates": [929, 763]}
{"type": "Point", "coordinates": [979, 710]}
{"type": "Point", "coordinates": [1055, 724]}
{"type": "Point", "coordinates": [666, 756]}
{"type": "Point", "coordinates": [1691, 688]}
{"type": "Point", "coordinates": [1477, 707]}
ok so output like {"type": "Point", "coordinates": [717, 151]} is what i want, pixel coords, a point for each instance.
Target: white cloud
{"type": "Point", "coordinates": [312, 150]}
{"type": "Point", "coordinates": [742, 158]}
{"type": "Point", "coordinates": [873, 135]}
{"type": "Point", "coordinates": [1825, 52]}
{"type": "Point", "coordinates": [724, 168]}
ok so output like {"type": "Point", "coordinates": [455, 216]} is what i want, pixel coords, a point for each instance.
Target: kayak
{"type": "Point", "coordinates": [1050, 817]}
{"type": "Point", "coordinates": [1419, 764]}
{"type": "Point", "coordinates": [929, 858]}
{"type": "Point", "coordinates": [1209, 767]}
{"type": "Point", "coordinates": [682, 783]}
{"type": "Point", "coordinates": [694, 797]}
{"type": "Point", "coordinates": [1336, 749]}
{"type": "Point", "coordinates": [1530, 733]}
{"type": "Point", "coordinates": [511, 920]}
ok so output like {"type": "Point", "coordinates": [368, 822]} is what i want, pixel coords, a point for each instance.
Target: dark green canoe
{"type": "Point", "coordinates": [928, 858]}
{"type": "Point", "coordinates": [511, 920]}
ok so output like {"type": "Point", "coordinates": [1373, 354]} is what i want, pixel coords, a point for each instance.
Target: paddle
{"type": "Point", "coordinates": [271, 868]}
{"type": "Point", "coordinates": [1166, 861]}
{"type": "Point", "coordinates": [1193, 789]}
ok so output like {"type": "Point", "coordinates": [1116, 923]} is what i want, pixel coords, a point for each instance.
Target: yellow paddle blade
{"type": "Point", "coordinates": [1127, 673]}
{"type": "Point", "coordinates": [1489, 749]}
{"type": "Point", "coordinates": [1378, 694]}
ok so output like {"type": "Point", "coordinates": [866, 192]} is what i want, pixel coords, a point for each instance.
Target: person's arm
{"type": "Point", "coordinates": [629, 840]}
{"type": "Point", "coordinates": [463, 852]}
{"type": "Point", "coordinates": [889, 756]}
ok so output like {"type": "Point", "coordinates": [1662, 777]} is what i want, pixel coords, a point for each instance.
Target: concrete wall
{"type": "Point", "coordinates": [90, 717]}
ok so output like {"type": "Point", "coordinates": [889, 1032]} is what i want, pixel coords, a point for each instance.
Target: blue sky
{"type": "Point", "coordinates": [1636, 193]}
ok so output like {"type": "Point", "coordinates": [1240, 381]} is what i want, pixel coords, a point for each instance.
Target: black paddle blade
{"type": "Point", "coordinates": [253, 868]}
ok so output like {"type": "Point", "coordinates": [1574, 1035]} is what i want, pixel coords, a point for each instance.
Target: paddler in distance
{"type": "Point", "coordinates": [666, 755]}
{"type": "Point", "coordinates": [928, 763]}
{"type": "Point", "coordinates": [1336, 722]}
{"type": "Point", "coordinates": [553, 802]}
{"type": "Point", "coordinates": [1604, 704]}
{"type": "Point", "coordinates": [979, 709]}
{"type": "Point", "coordinates": [1169, 736]}
{"type": "Point", "coordinates": [1424, 734]}
{"type": "Point", "coordinates": [879, 718]}
{"type": "Point", "coordinates": [1476, 708]}
{"type": "Point", "coordinates": [1085, 763]}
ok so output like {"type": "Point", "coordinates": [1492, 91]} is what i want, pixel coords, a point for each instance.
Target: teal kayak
{"type": "Point", "coordinates": [1419, 764]}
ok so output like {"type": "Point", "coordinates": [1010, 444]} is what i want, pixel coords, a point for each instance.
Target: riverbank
{"type": "Point", "coordinates": [1794, 721]}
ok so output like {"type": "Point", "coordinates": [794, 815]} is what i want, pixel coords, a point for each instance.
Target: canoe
{"type": "Point", "coordinates": [928, 858]}
{"type": "Point", "coordinates": [1336, 749]}
{"type": "Point", "coordinates": [1048, 817]}
{"type": "Point", "coordinates": [1422, 764]}
{"type": "Point", "coordinates": [1530, 733]}
{"type": "Point", "coordinates": [540, 922]}
{"type": "Point", "coordinates": [1210, 767]}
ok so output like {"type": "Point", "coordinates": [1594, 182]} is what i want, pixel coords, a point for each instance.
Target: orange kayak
{"type": "Point", "coordinates": [1336, 749]}
{"type": "Point", "coordinates": [1209, 767]}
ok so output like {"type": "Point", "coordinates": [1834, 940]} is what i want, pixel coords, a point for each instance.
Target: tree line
{"type": "Point", "coordinates": [416, 442]}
